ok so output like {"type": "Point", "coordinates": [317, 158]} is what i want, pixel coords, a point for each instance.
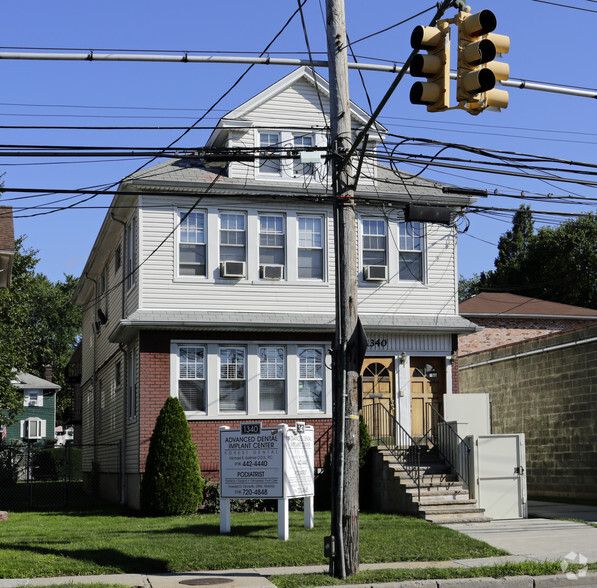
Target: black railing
{"type": "Point", "coordinates": [449, 444]}
{"type": "Point", "coordinates": [386, 431]}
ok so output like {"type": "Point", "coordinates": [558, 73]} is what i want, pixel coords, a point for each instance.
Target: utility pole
{"type": "Point", "coordinates": [345, 420]}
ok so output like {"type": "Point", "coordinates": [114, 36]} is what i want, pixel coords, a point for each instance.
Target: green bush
{"type": "Point", "coordinates": [172, 482]}
{"type": "Point", "coordinates": [50, 464]}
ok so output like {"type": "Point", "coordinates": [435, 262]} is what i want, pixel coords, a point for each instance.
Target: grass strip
{"type": "Point", "coordinates": [528, 568]}
{"type": "Point", "coordinates": [49, 544]}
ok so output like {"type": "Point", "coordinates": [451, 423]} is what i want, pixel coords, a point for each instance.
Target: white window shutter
{"type": "Point", "coordinates": [42, 429]}
{"type": "Point", "coordinates": [40, 398]}
{"type": "Point", "coordinates": [23, 429]}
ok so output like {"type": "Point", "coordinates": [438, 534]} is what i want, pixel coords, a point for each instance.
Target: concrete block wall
{"type": "Point", "coordinates": [545, 388]}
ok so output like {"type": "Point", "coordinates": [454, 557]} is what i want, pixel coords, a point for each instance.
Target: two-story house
{"type": "Point", "coordinates": [37, 420]}
{"type": "Point", "coordinates": [214, 282]}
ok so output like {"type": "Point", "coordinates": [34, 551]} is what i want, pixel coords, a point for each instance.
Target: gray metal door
{"type": "Point", "coordinates": [501, 477]}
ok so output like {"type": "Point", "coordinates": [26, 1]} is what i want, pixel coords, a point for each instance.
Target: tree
{"type": "Point", "coordinates": [172, 482]}
{"type": "Point", "coordinates": [39, 326]}
{"type": "Point", "coordinates": [557, 264]}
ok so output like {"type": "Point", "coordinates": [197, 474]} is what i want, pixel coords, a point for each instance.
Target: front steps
{"type": "Point", "coordinates": [443, 498]}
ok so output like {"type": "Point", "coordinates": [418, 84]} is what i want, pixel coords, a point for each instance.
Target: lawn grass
{"type": "Point", "coordinates": [47, 544]}
{"type": "Point", "coordinates": [401, 574]}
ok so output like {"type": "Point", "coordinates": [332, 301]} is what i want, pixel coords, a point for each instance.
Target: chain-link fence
{"type": "Point", "coordinates": [34, 476]}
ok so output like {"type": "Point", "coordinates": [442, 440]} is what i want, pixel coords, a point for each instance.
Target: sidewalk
{"type": "Point", "coordinates": [537, 539]}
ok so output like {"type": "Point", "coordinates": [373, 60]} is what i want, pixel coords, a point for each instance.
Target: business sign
{"type": "Point", "coordinates": [259, 462]}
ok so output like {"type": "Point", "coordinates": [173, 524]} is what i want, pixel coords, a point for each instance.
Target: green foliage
{"type": "Point", "coordinates": [51, 464]}
{"type": "Point", "coordinates": [39, 326]}
{"type": "Point", "coordinates": [555, 263]}
{"type": "Point", "coordinates": [172, 482]}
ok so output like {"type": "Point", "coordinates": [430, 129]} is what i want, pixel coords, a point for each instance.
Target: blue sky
{"type": "Point", "coordinates": [549, 44]}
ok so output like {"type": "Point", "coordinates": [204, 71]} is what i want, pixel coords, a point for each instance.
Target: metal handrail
{"type": "Point", "coordinates": [449, 444]}
{"type": "Point", "coordinates": [385, 430]}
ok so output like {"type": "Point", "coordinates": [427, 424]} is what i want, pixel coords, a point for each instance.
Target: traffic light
{"type": "Point", "coordinates": [477, 71]}
{"type": "Point", "coordinates": [435, 66]}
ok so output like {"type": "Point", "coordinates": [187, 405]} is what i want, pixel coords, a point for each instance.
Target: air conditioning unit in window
{"type": "Point", "coordinates": [271, 272]}
{"type": "Point", "coordinates": [232, 269]}
{"type": "Point", "coordinates": [374, 273]}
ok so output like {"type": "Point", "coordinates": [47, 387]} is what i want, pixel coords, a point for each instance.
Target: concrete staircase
{"type": "Point", "coordinates": [444, 499]}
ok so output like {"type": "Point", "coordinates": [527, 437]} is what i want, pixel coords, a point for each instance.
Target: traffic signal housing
{"type": "Point", "coordinates": [477, 72]}
{"type": "Point", "coordinates": [435, 66]}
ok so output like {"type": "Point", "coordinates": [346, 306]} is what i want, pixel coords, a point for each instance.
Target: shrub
{"type": "Point", "coordinates": [51, 464]}
{"type": "Point", "coordinates": [172, 482]}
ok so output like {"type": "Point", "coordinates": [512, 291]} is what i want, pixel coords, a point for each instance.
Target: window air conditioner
{"type": "Point", "coordinates": [374, 273]}
{"type": "Point", "coordinates": [232, 269]}
{"type": "Point", "coordinates": [271, 272]}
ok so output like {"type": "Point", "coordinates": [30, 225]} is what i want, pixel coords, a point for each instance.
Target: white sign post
{"type": "Point", "coordinates": [258, 462]}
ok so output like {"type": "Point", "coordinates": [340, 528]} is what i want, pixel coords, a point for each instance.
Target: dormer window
{"type": "Point", "coordinates": [282, 164]}
{"type": "Point", "coordinates": [270, 166]}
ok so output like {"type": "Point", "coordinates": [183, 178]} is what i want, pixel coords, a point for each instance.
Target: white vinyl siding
{"type": "Point", "coordinates": [131, 253]}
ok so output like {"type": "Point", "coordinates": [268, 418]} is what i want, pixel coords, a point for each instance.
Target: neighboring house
{"type": "Point", "coordinates": [546, 388]}
{"type": "Point", "coordinates": [37, 421]}
{"type": "Point", "coordinates": [508, 318]}
{"type": "Point", "coordinates": [73, 391]}
{"type": "Point", "coordinates": [215, 283]}
{"type": "Point", "coordinates": [7, 246]}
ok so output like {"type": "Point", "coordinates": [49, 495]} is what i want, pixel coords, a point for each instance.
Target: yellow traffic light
{"type": "Point", "coordinates": [477, 71]}
{"type": "Point", "coordinates": [435, 66]}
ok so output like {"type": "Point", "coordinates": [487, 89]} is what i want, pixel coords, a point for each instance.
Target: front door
{"type": "Point", "coordinates": [378, 388]}
{"type": "Point", "coordinates": [427, 387]}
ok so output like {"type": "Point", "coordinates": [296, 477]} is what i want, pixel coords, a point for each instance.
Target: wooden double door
{"type": "Point", "coordinates": [427, 389]}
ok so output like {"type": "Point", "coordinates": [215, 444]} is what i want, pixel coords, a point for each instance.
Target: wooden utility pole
{"type": "Point", "coordinates": [345, 420]}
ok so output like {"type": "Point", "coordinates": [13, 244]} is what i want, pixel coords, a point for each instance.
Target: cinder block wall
{"type": "Point", "coordinates": [549, 394]}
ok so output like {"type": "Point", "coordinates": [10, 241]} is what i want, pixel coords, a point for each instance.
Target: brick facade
{"type": "Point", "coordinates": [549, 393]}
{"type": "Point", "coordinates": [154, 383]}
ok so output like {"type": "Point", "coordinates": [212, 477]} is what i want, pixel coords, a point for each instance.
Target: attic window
{"type": "Point", "coordinates": [270, 166]}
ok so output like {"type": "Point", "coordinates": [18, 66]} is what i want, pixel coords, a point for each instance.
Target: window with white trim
{"type": "Point", "coordinates": [374, 242]}
{"type": "Point", "coordinates": [33, 398]}
{"type": "Point", "coordinates": [310, 247]}
{"type": "Point", "coordinates": [233, 236]}
{"type": "Point", "coordinates": [233, 382]}
{"type": "Point", "coordinates": [192, 244]}
{"type": "Point", "coordinates": [411, 245]}
{"type": "Point", "coordinates": [191, 378]}
{"type": "Point", "coordinates": [311, 389]}
{"type": "Point", "coordinates": [33, 428]}
{"type": "Point", "coordinates": [272, 246]}
{"type": "Point", "coordinates": [270, 166]}
{"type": "Point", "coordinates": [272, 379]}
{"type": "Point", "coordinates": [131, 253]}
{"type": "Point", "coordinates": [303, 169]}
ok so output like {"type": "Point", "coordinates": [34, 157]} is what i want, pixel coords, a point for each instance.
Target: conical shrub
{"type": "Point", "coordinates": [172, 482]}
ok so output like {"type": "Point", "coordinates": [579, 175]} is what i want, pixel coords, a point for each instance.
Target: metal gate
{"type": "Point", "coordinates": [500, 475]}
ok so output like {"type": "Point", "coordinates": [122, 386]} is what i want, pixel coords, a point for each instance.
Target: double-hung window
{"type": "Point", "coordinates": [233, 236]}
{"type": "Point", "coordinates": [191, 377]}
{"type": "Point", "coordinates": [272, 379]}
{"type": "Point", "coordinates": [192, 245]}
{"type": "Point", "coordinates": [270, 166]}
{"type": "Point", "coordinates": [311, 378]}
{"type": "Point", "coordinates": [303, 169]}
{"type": "Point", "coordinates": [272, 252]}
{"type": "Point", "coordinates": [310, 247]}
{"type": "Point", "coordinates": [411, 245]}
{"type": "Point", "coordinates": [374, 243]}
{"type": "Point", "coordinates": [233, 382]}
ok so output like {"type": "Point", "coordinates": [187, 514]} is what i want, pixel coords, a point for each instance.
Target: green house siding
{"type": "Point", "coordinates": [47, 412]}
